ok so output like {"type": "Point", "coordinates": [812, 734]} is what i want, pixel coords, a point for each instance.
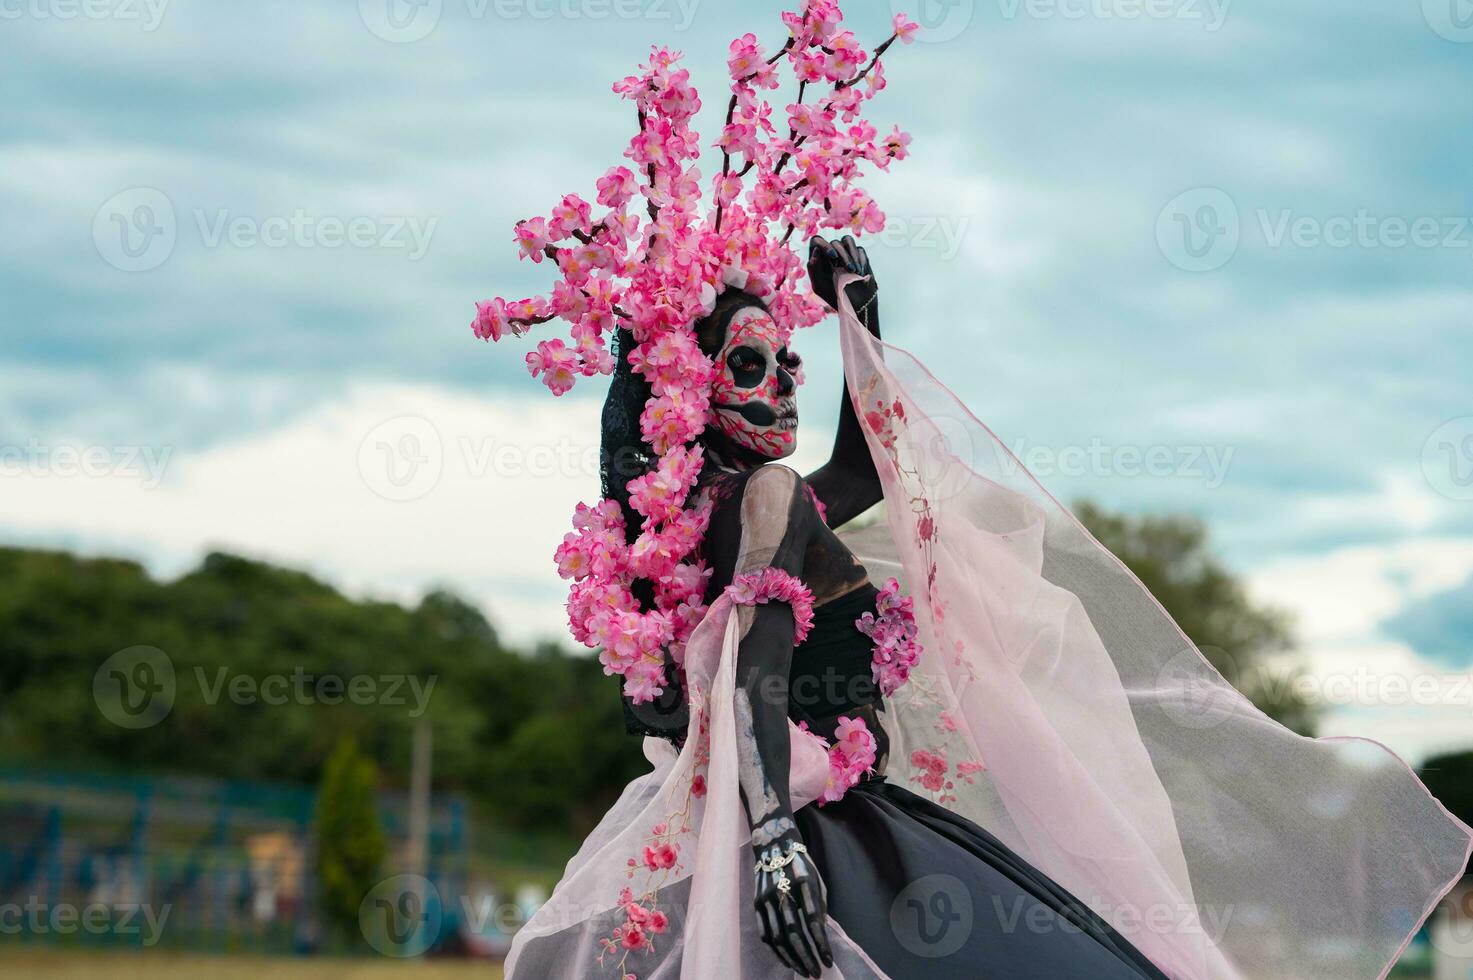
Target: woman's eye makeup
{"type": "Point", "coordinates": [747, 367]}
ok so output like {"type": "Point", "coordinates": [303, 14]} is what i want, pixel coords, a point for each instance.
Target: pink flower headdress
{"type": "Point", "coordinates": [658, 272]}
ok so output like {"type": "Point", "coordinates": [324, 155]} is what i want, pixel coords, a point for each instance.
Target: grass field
{"type": "Point", "coordinates": [24, 962]}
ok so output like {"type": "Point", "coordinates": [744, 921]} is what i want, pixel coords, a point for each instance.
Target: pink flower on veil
{"type": "Point", "coordinates": [659, 857]}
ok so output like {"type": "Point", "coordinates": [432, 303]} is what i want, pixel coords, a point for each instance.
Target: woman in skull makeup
{"type": "Point", "coordinates": [853, 858]}
{"type": "Point", "coordinates": [836, 714]}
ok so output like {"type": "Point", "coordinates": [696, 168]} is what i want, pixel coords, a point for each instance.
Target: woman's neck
{"type": "Point", "coordinates": [732, 459]}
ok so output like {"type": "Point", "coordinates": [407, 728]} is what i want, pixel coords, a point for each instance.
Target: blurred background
{"type": "Point", "coordinates": [285, 685]}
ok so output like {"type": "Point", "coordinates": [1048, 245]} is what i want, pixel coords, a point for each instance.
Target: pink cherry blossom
{"type": "Point", "coordinates": [491, 320]}
{"type": "Point", "coordinates": [850, 757]}
{"type": "Point", "coordinates": [744, 57]}
{"type": "Point", "coordinates": [570, 214]}
{"type": "Point", "coordinates": [531, 238]}
{"type": "Point", "coordinates": [893, 629]}
{"type": "Point", "coordinates": [556, 363]}
{"type": "Point", "coordinates": [616, 187]}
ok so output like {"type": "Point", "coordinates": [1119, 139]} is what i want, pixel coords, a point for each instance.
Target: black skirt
{"type": "Point", "coordinates": [929, 894]}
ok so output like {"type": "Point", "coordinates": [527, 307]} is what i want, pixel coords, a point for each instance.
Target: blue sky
{"type": "Point", "coordinates": [1233, 237]}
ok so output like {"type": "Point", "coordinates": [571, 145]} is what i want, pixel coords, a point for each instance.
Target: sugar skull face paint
{"type": "Point", "coordinates": [753, 396]}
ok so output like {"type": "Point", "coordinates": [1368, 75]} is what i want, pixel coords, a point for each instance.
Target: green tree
{"type": "Point", "coordinates": [350, 841]}
{"type": "Point", "coordinates": [1450, 778]}
{"type": "Point", "coordinates": [505, 720]}
{"type": "Point", "coordinates": [1172, 557]}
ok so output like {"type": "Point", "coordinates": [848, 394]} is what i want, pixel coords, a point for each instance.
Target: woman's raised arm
{"type": "Point", "coordinates": [847, 484]}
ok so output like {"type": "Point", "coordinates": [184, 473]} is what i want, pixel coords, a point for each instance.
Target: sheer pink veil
{"type": "Point", "coordinates": [1055, 704]}
{"type": "Point", "coordinates": [690, 802]}
{"type": "Point", "coordinates": [1117, 760]}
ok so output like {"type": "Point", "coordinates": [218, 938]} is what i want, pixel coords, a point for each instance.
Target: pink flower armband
{"type": "Point", "coordinates": [773, 584]}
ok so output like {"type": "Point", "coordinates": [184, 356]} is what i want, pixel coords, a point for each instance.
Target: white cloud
{"type": "Point", "coordinates": [388, 490]}
{"type": "Point", "coordinates": [510, 473]}
{"type": "Point", "coordinates": [1343, 595]}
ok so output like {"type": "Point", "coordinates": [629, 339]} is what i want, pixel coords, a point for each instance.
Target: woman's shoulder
{"type": "Point", "coordinates": [769, 481]}
{"type": "Point", "coordinates": [775, 478]}
{"type": "Point", "coordinates": [766, 486]}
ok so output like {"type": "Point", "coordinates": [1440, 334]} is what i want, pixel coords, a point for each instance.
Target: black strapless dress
{"type": "Point", "coordinates": [927, 893]}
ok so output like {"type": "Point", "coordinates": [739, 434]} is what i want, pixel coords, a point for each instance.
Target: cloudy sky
{"type": "Point", "coordinates": [1231, 239]}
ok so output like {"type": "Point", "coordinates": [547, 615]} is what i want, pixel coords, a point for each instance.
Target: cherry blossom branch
{"type": "Point", "coordinates": [650, 206]}
{"type": "Point", "coordinates": [552, 252]}
{"type": "Point", "coordinates": [872, 62]}
{"type": "Point", "coordinates": [731, 111]}
{"type": "Point", "coordinates": [726, 156]}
